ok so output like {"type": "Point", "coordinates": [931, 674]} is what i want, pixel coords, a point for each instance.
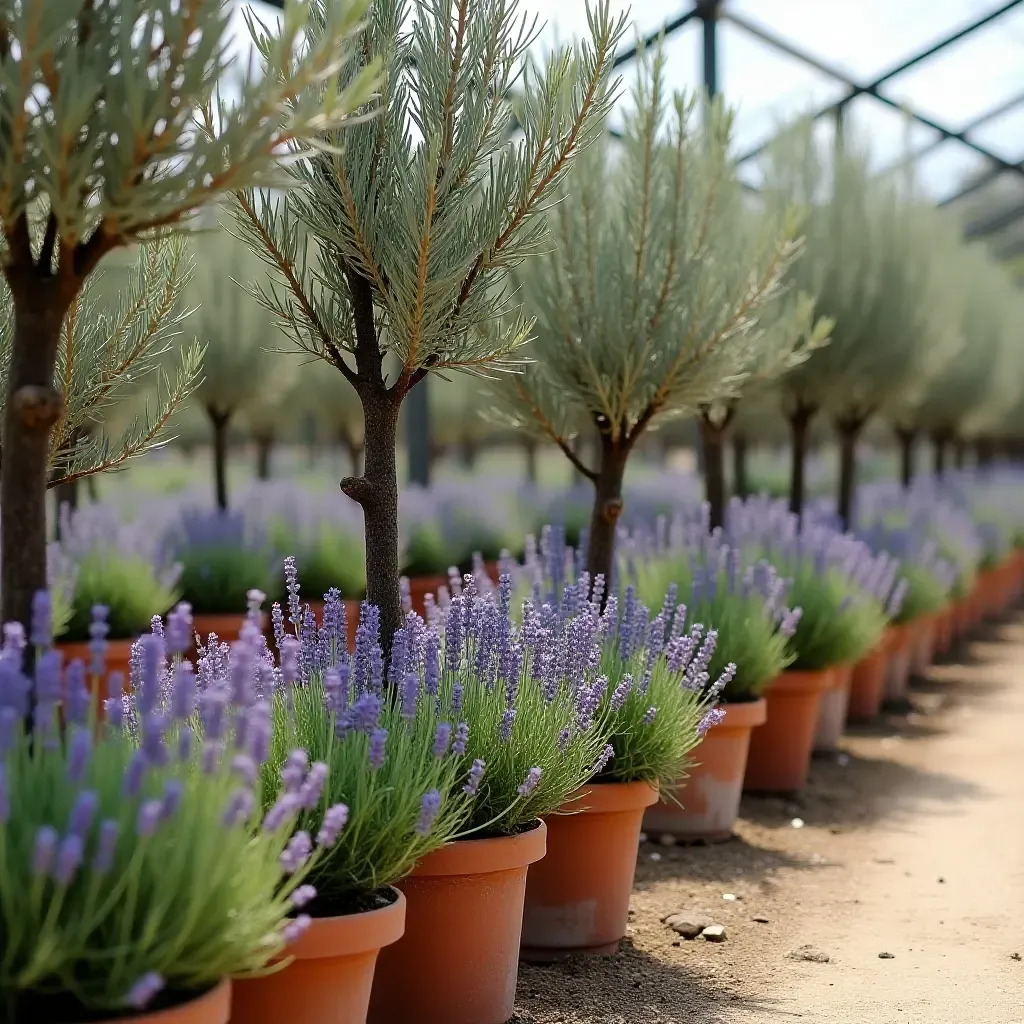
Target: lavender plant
{"type": "Point", "coordinates": [222, 556]}
{"type": "Point", "coordinates": [135, 870]}
{"type": "Point", "coordinates": [842, 588]}
{"type": "Point", "coordinates": [741, 598]}
{"type": "Point", "coordinates": [395, 758]}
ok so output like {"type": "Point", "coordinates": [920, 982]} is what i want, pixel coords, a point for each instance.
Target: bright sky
{"type": "Point", "coordinates": [862, 39]}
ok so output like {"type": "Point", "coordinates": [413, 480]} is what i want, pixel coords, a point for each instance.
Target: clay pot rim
{"type": "Point", "coordinates": [743, 714]}
{"type": "Point", "coordinates": [802, 680]}
{"type": "Point", "coordinates": [215, 1005]}
{"type": "Point", "coordinates": [350, 934]}
{"type": "Point", "coordinates": [842, 676]}
{"type": "Point", "coordinates": [609, 798]}
{"type": "Point", "coordinates": [485, 856]}
{"type": "Point", "coordinates": [80, 648]}
{"type": "Point", "coordinates": [198, 618]}
{"type": "Point", "coordinates": [870, 660]}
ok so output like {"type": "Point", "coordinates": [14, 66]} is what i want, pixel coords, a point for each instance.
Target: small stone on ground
{"type": "Point", "coordinates": [714, 933]}
{"type": "Point", "coordinates": [809, 953]}
{"type": "Point", "coordinates": [886, 956]}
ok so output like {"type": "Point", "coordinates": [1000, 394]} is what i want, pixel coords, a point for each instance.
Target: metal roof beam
{"type": "Point", "coordinates": [984, 226]}
{"type": "Point", "coordinates": [871, 88]}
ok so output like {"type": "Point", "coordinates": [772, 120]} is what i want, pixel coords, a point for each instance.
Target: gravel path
{"type": "Point", "coordinates": [911, 845]}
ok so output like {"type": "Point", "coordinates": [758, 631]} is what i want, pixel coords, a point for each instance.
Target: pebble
{"type": "Point", "coordinates": [886, 956]}
{"type": "Point", "coordinates": [942, 881]}
{"type": "Point", "coordinates": [884, 860]}
{"type": "Point", "coordinates": [654, 856]}
{"type": "Point", "coordinates": [809, 953]}
{"type": "Point", "coordinates": [667, 839]}
{"type": "Point", "coordinates": [730, 896]}
{"type": "Point", "coordinates": [761, 919]}
{"type": "Point", "coordinates": [843, 760]}
{"type": "Point", "coordinates": [714, 933]}
{"type": "Point", "coordinates": [686, 926]}
{"type": "Point", "coordinates": [643, 837]}
{"type": "Point", "coordinates": [797, 823]}
{"type": "Point", "coordinates": [1015, 956]}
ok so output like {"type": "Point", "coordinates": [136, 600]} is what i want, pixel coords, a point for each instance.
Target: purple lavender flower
{"type": "Point", "coordinates": [106, 846]}
{"type": "Point", "coordinates": [507, 721]}
{"type": "Point", "coordinates": [79, 751]}
{"type": "Point", "coordinates": [69, 859]}
{"type": "Point", "coordinates": [378, 740]}
{"type": "Point", "coordinates": [366, 712]}
{"type": "Point", "coordinates": [42, 620]}
{"type": "Point", "coordinates": [240, 807]}
{"type": "Point", "coordinates": [335, 819]}
{"type": "Point", "coordinates": [476, 773]}
{"type": "Point", "coordinates": [790, 621]}
{"type": "Point", "coordinates": [461, 739]}
{"type": "Point", "coordinates": [564, 738]}
{"type": "Point", "coordinates": [429, 807]}
{"type": "Point", "coordinates": [283, 809]}
{"type": "Point", "coordinates": [141, 994]}
{"type": "Point", "coordinates": [602, 762]}
{"type": "Point", "coordinates": [290, 649]}
{"type": "Point", "coordinates": [303, 895]}
{"type": "Point", "coordinates": [76, 694]}
{"type": "Point", "coordinates": [293, 773]}
{"type": "Point", "coordinates": [410, 695]}
{"type": "Point", "coordinates": [44, 851]}
{"type": "Point", "coordinates": [296, 928]}
{"type": "Point", "coordinates": [530, 783]}
{"type": "Point", "coordinates": [442, 738]}
{"type": "Point", "coordinates": [296, 853]}
{"type": "Point", "coordinates": [179, 628]}
{"type": "Point", "coordinates": [184, 743]}
{"type": "Point", "coordinates": [313, 787]}
{"type": "Point", "coordinates": [622, 691]}
{"type": "Point", "coordinates": [83, 812]}
{"type": "Point", "coordinates": [134, 774]}
{"type": "Point", "coordinates": [148, 818]}
{"type": "Point", "coordinates": [711, 718]}
{"type": "Point", "coordinates": [98, 630]}
{"type": "Point", "coordinates": [291, 579]}
{"type": "Point", "coordinates": [649, 717]}
{"type": "Point", "coordinates": [5, 796]}
{"type": "Point", "coordinates": [277, 619]}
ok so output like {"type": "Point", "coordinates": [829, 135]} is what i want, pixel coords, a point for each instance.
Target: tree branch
{"type": "Point", "coordinates": [45, 262]}
{"type": "Point", "coordinates": [549, 430]}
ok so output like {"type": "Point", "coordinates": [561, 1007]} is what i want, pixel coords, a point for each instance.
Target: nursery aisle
{"type": "Point", "coordinates": [911, 844]}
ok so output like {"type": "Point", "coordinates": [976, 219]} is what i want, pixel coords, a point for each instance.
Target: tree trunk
{"type": "Point", "coordinates": [959, 453]}
{"type": "Point", "coordinates": [849, 431]}
{"type": "Point", "coordinates": [264, 448]}
{"type": "Point", "coordinates": [67, 494]}
{"type": "Point", "coordinates": [31, 408]}
{"type": "Point", "coordinates": [530, 451]}
{"type": "Point", "coordinates": [984, 452]}
{"type": "Point", "coordinates": [906, 440]}
{"type": "Point", "coordinates": [376, 491]}
{"type": "Point", "coordinates": [220, 456]}
{"type": "Point", "coordinates": [741, 483]}
{"type": "Point", "coordinates": [799, 428]}
{"type": "Point", "coordinates": [713, 445]}
{"type": "Point", "coordinates": [468, 452]}
{"type": "Point", "coordinates": [606, 511]}
{"type": "Point", "coordinates": [92, 487]}
{"type": "Point", "coordinates": [939, 454]}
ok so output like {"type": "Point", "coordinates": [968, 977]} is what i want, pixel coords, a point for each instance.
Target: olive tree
{"type": "Point", "coordinates": [648, 303]}
{"type": "Point", "coordinates": [98, 105]}
{"type": "Point", "coordinates": [392, 253]}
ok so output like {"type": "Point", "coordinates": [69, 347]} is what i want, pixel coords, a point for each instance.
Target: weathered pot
{"type": "Point", "coordinates": [867, 684]}
{"type": "Point", "coordinates": [832, 710]}
{"type": "Point", "coordinates": [212, 1008]}
{"type": "Point", "coordinates": [707, 804]}
{"type": "Point", "coordinates": [577, 895]}
{"type": "Point", "coordinates": [922, 650]}
{"type": "Point", "coordinates": [900, 644]}
{"type": "Point", "coordinates": [780, 750]}
{"type": "Point", "coordinates": [328, 981]}
{"type": "Point", "coordinates": [458, 961]}
{"type": "Point", "coordinates": [118, 659]}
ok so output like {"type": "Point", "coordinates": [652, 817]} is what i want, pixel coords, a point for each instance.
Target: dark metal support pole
{"type": "Point", "coordinates": [707, 11]}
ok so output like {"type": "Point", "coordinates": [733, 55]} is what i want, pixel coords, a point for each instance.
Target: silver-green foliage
{"type": "Point", "coordinates": [649, 302]}
{"type": "Point", "coordinates": [399, 243]}
{"type": "Point", "coordinates": [117, 338]}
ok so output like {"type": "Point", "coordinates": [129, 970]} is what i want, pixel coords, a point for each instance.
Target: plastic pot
{"type": "Point", "coordinates": [212, 1008]}
{"type": "Point", "coordinates": [867, 684]}
{"type": "Point", "coordinates": [577, 896]}
{"type": "Point", "coordinates": [707, 804]}
{"type": "Point", "coordinates": [458, 961]}
{"type": "Point", "coordinates": [832, 710]}
{"type": "Point", "coordinates": [780, 750]}
{"type": "Point", "coordinates": [328, 981]}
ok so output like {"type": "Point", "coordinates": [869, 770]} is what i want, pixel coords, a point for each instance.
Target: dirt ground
{"type": "Point", "coordinates": [912, 845]}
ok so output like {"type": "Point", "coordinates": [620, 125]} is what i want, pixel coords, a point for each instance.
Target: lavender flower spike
{"type": "Point", "coordinates": [144, 990]}
{"type": "Point", "coordinates": [711, 718]}
{"type": "Point", "coordinates": [530, 783]}
{"type": "Point", "coordinates": [334, 821]}
{"type": "Point", "coordinates": [476, 773]}
{"type": "Point", "coordinates": [429, 807]}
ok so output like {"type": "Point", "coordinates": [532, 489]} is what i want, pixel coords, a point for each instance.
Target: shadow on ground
{"type": "Point", "coordinates": [629, 988]}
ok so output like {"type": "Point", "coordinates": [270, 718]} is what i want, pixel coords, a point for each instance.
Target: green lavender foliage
{"type": "Point", "coordinates": [196, 902]}
{"type": "Point", "coordinates": [216, 576]}
{"type": "Point", "coordinates": [649, 303]}
{"type": "Point", "coordinates": [118, 336]}
{"type": "Point", "coordinates": [127, 584]}
{"type": "Point", "coordinates": [400, 234]}
{"type": "Point", "coordinates": [747, 637]}
{"type": "Point", "coordinates": [380, 843]}
{"type": "Point", "coordinates": [926, 594]}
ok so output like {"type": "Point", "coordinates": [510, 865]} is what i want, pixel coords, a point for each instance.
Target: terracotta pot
{"type": "Point", "coordinates": [780, 750]}
{"type": "Point", "coordinates": [710, 794]}
{"type": "Point", "coordinates": [900, 640]}
{"type": "Point", "coordinates": [577, 897]}
{"type": "Point", "coordinates": [227, 627]}
{"type": "Point", "coordinates": [943, 631]}
{"type": "Point", "coordinates": [119, 653]}
{"type": "Point", "coordinates": [922, 649]}
{"type": "Point", "coordinates": [212, 1008]}
{"type": "Point", "coordinates": [458, 962]}
{"type": "Point", "coordinates": [832, 710]}
{"type": "Point", "coordinates": [867, 683]}
{"type": "Point", "coordinates": [420, 586]}
{"type": "Point", "coordinates": [330, 977]}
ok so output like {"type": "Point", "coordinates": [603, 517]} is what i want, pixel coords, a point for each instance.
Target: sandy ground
{"type": "Point", "coordinates": [912, 845]}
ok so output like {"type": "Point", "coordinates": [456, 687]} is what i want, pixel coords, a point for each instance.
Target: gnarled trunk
{"type": "Point", "coordinates": [219, 420]}
{"type": "Point", "coordinates": [264, 450]}
{"type": "Point", "coordinates": [32, 406]}
{"type": "Point", "coordinates": [607, 508]}
{"type": "Point", "coordinates": [799, 430]}
{"type": "Point", "coordinates": [849, 431]}
{"type": "Point", "coordinates": [939, 442]}
{"type": "Point", "coordinates": [906, 439]}
{"type": "Point", "coordinates": [530, 452]}
{"type": "Point", "coordinates": [376, 490]}
{"type": "Point", "coordinates": [712, 437]}
{"type": "Point", "coordinates": [741, 481]}
{"type": "Point", "coordinates": [354, 449]}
